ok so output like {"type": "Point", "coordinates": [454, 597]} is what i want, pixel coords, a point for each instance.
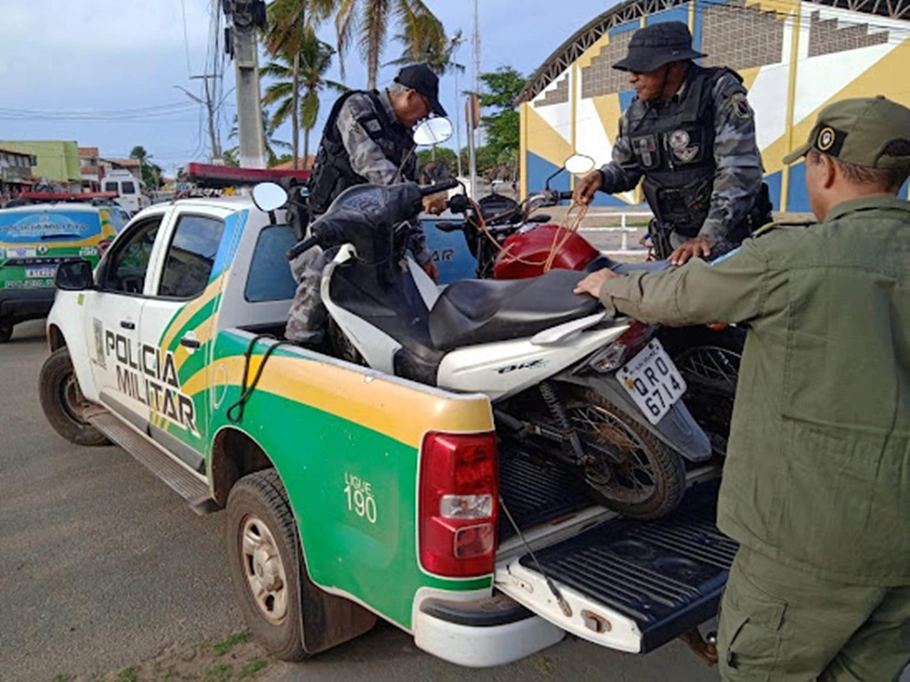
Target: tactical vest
{"type": "Point", "coordinates": [332, 171]}
{"type": "Point", "coordinates": [673, 143]}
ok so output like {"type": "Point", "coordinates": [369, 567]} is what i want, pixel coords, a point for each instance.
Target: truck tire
{"type": "Point", "coordinates": [6, 330]}
{"type": "Point", "coordinates": [263, 553]}
{"type": "Point", "coordinates": [63, 403]}
{"type": "Point", "coordinates": [650, 482]}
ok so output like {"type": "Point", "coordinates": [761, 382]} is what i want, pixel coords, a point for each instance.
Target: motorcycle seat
{"type": "Point", "coordinates": [471, 312]}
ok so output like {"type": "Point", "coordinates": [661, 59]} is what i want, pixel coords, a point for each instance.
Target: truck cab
{"type": "Point", "coordinates": [350, 494]}
{"type": "Point", "coordinates": [129, 190]}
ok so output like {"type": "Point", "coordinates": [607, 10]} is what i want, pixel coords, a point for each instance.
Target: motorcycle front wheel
{"type": "Point", "coordinates": [649, 482]}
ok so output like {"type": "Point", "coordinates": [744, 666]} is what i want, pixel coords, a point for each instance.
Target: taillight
{"type": "Point", "coordinates": [458, 512]}
{"type": "Point", "coordinates": [628, 344]}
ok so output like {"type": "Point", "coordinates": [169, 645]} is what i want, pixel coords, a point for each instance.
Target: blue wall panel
{"type": "Point", "coordinates": [774, 182]}
{"type": "Point", "coordinates": [797, 197]}
{"type": "Point", "coordinates": [623, 28]}
{"type": "Point", "coordinates": [676, 14]}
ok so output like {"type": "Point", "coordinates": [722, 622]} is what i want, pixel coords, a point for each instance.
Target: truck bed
{"type": "Point", "coordinates": [663, 577]}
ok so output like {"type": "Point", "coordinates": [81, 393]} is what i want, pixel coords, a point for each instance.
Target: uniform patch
{"type": "Point", "coordinates": [740, 106]}
{"type": "Point", "coordinates": [679, 139]}
{"type": "Point", "coordinates": [686, 154]}
{"type": "Point", "coordinates": [372, 126]}
{"type": "Point", "coordinates": [826, 139]}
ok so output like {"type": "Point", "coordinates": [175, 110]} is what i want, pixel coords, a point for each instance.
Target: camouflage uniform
{"type": "Point", "coordinates": [696, 150]}
{"type": "Point", "coordinates": [735, 163]}
{"type": "Point", "coordinates": [358, 124]}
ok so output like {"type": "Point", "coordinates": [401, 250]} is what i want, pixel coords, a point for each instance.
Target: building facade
{"type": "Point", "coordinates": [795, 57]}
{"type": "Point", "coordinates": [15, 173]}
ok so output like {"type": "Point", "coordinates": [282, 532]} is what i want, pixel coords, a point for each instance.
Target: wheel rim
{"type": "Point", "coordinates": [264, 570]}
{"type": "Point", "coordinates": [712, 367]}
{"type": "Point", "coordinates": [631, 481]}
{"type": "Point", "coordinates": [72, 400]}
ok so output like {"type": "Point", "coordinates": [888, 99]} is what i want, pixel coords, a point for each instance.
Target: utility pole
{"type": "Point", "coordinates": [472, 134]}
{"type": "Point", "coordinates": [456, 41]}
{"type": "Point", "coordinates": [210, 108]}
{"type": "Point", "coordinates": [246, 16]}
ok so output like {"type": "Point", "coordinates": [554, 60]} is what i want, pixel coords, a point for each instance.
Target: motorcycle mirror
{"type": "Point", "coordinates": [433, 131]}
{"type": "Point", "coordinates": [577, 164]}
{"type": "Point", "coordinates": [269, 196]}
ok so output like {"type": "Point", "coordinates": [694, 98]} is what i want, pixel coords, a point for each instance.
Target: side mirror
{"type": "Point", "coordinates": [433, 131]}
{"type": "Point", "coordinates": [269, 196]}
{"type": "Point", "coordinates": [74, 275]}
{"type": "Point", "coordinates": [577, 164]}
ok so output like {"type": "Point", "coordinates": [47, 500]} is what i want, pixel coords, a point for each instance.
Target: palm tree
{"type": "Point", "coordinates": [424, 45]}
{"type": "Point", "coordinates": [313, 60]}
{"type": "Point", "coordinates": [231, 156]}
{"type": "Point", "coordinates": [371, 18]}
{"type": "Point", "coordinates": [291, 25]}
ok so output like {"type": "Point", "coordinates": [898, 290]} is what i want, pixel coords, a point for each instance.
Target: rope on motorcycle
{"type": "Point", "coordinates": [235, 411]}
{"type": "Point", "coordinates": [555, 248]}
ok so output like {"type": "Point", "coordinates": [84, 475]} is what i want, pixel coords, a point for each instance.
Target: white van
{"type": "Point", "coordinates": [129, 190]}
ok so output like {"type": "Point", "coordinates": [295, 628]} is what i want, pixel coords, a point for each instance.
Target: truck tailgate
{"type": "Point", "coordinates": [630, 585]}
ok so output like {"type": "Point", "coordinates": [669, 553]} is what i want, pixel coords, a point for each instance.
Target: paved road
{"type": "Point", "coordinates": [102, 566]}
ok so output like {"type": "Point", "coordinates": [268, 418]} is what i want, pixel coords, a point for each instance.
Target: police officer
{"type": "Point", "coordinates": [816, 485]}
{"type": "Point", "coordinates": [690, 133]}
{"type": "Point", "coordinates": [367, 139]}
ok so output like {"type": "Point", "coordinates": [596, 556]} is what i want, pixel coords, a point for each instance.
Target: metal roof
{"type": "Point", "coordinates": [632, 10]}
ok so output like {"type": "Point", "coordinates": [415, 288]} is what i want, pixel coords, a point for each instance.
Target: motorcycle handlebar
{"type": "Point", "coordinates": [300, 247]}
{"type": "Point", "coordinates": [442, 186]}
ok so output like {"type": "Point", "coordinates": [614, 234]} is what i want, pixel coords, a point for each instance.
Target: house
{"type": "Point", "coordinates": [57, 162]}
{"type": "Point", "coordinates": [302, 164]}
{"type": "Point", "coordinates": [15, 172]}
{"type": "Point", "coordinates": [134, 166]}
{"type": "Point", "coordinates": [91, 169]}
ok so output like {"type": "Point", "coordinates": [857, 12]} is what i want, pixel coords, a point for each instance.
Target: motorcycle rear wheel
{"type": "Point", "coordinates": [649, 483]}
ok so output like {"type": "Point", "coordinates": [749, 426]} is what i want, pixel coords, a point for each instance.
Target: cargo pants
{"type": "Point", "coordinates": [779, 623]}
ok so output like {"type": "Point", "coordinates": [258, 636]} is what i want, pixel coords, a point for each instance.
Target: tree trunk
{"type": "Point", "coordinates": [295, 112]}
{"type": "Point", "coordinates": [306, 147]}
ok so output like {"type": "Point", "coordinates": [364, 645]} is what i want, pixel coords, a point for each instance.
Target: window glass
{"type": "Point", "coordinates": [270, 276]}
{"type": "Point", "coordinates": [129, 188]}
{"type": "Point", "coordinates": [191, 256]}
{"type": "Point", "coordinates": [110, 187]}
{"type": "Point", "coordinates": [129, 259]}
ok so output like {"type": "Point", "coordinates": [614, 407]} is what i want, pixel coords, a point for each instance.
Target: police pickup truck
{"type": "Point", "coordinates": [349, 493]}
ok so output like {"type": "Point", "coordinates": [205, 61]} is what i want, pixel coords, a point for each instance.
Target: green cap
{"type": "Point", "coordinates": [858, 131]}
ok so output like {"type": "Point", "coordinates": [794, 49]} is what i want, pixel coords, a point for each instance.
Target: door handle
{"type": "Point", "coordinates": [126, 324]}
{"type": "Point", "coordinates": [192, 344]}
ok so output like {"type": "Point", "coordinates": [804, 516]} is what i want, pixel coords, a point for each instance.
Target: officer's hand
{"type": "Point", "coordinates": [585, 189]}
{"type": "Point", "coordinates": [592, 283]}
{"type": "Point", "coordinates": [431, 269]}
{"type": "Point", "coordinates": [694, 248]}
{"type": "Point", "coordinates": [435, 203]}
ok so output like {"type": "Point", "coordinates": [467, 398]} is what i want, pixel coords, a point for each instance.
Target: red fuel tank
{"type": "Point", "coordinates": [525, 254]}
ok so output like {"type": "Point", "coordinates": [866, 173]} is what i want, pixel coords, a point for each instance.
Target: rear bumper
{"type": "Point", "coordinates": [483, 633]}
{"type": "Point", "coordinates": [25, 304]}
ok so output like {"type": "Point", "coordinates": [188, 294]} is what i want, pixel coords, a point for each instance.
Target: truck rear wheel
{"type": "Point", "coordinates": [650, 481]}
{"type": "Point", "coordinates": [263, 554]}
{"type": "Point", "coordinates": [63, 402]}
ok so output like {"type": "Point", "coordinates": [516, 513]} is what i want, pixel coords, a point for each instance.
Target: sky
{"type": "Point", "coordinates": [103, 72]}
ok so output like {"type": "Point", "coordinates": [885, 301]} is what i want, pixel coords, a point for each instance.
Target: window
{"type": "Point", "coordinates": [128, 261]}
{"type": "Point", "coordinates": [270, 276]}
{"type": "Point", "coordinates": [128, 188]}
{"type": "Point", "coordinates": [191, 256]}
{"type": "Point", "coordinates": [110, 187]}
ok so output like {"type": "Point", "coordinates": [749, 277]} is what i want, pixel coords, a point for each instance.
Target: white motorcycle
{"type": "Point", "coordinates": [557, 368]}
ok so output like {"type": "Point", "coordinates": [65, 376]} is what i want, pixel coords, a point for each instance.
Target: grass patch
{"type": "Point", "coordinates": [60, 677]}
{"type": "Point", "coordinates": [220, 672]}
{"type": "Point", "coordinates": [253, 668]}
{"type": "Point", "coordinates": [229, 642]}
{"type": "Point", "coordinates": [130, 674]}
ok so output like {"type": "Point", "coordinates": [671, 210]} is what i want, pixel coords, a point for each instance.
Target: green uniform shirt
{"type": "Point", "coordinates": [817, 474]}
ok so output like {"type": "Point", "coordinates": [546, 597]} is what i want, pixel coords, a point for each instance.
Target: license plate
{"type": "Point", "coordinates": [42, 272]}
{"type": "Point", "coordinates": [653, 381]}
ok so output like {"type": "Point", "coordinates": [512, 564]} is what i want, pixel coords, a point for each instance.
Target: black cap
{"type": "Point", "coordinates": [421, 78]}
{"type": "Point", "coordinates": [653, 46]}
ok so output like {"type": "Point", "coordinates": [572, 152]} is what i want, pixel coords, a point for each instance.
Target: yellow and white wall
{"type": "Point", "coordinates": [795, 58]}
